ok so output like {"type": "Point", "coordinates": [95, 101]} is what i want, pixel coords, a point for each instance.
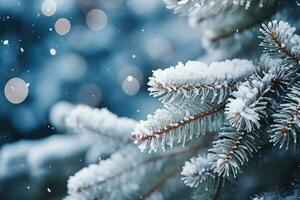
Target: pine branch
{"type": "Point", "coordinates": [195, 80]}
{"type": "Point", "coordinates": [247, 107]}
{"type": "Point", "coordinates": [197, 171]}
{"type": "Point", "coordinates": [245, 112]}
{"type": "Point", "coordinates": [86, 120]}
{"type": "Point", "coordinates": [267, 196]}
{"type": "Point", "coordinates": [232, 150]}
{"type": "Point", "coordinates": [243, 27]}
{"type": "Point", "coordinates": [58, 114]}
{"type": "Point", "coordinates": [108, 178]}
{"type": "Point", "coordinates": [210, 7]}
{"type": "Point", "coordinates": [279, 41]}
{"type": "Point", "coordinates": [218, 191]}
{"type": "Point", "coordinates": [286, 125]}
{"type": "Point", "coordinates": [182, 7]}
{"type": "Point", "coordinates": [276, 195]}
{"type": "Point", "coordinates": [175, 124]}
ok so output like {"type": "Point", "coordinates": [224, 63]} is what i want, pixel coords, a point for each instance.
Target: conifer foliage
{"type": "Point", "coordinates": [218, 120]}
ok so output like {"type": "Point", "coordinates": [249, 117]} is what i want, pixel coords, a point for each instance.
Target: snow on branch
{"type": "Point", "coordinates": [196, 171]}
{"type": "Point", "coordinates": [232, 150]}
{"type": "Point", "coordinates": [240, 27]}
{"type": "Point", "coordinates": [121, 174]}
{"type": "Point", "coordinates": [177, 125]}
{"type": "Point", "coordinates": [188, 7]}
{"type": "Point", "coordinates": [267, 196]}
{"type": "Point", "coordinates": [89, 183]}
{"type": "Point", "coordinates": [199, 10]}
{"type": "Point", "coordinates": [185, 82]}
{"type": "Point", "coordinates": [247, 107]}
{"type": "Point", "coordinates": [183, 7]}
{"type": "Point", "coordinates": [58, 114]}
{"type": "Point", "coordinates": [276, 195]}
{"type": "Point", "coordinates": [100, 122]}
{"type": "Point", "coordinates": [286, 127]}
{"type": "Point", "coordinates": [280, 41]}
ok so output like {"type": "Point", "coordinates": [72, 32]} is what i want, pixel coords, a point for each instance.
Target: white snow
{"type": "Point", "coordinates": [185, 82]}
{"type": "Point", "coordinates": [169, 118]}
{"type": "Point", "coordinates": [58, 114]}
{"type": "Point", "coordinates": [285, 34]}
{"type": "Point", "coordinates": [107, 178]}
{"type": "Point", "coordinates": [193, 172]}
{"type": "Point", "coordinates": [85, 119]}
{"type": "Point", "coordinates": [194, 72]}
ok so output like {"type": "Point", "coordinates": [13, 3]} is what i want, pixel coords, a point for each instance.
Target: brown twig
{"type": "Point", "coordinates": [178, 124]}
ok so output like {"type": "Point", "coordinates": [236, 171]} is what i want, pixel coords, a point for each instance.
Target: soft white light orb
{"type": "Point", "coordinates": [16, 90]}
{"type": "Point", "coordinates": [49, 7]}
{"type": "Point", "coordinates": [53, 52]}
{"type": "Point", "coordinates": [96, 20]}
{"type": "Point", "coordinates": [131, 85]}
{"type": "Point", "coordinates": [62, 26]}
{"type": "Point", "coordinates": [130, 70]}
{"type": "Point", "coordinates": [5, 42]}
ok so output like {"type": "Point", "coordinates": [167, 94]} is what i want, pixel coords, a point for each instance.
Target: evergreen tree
{"type": "Point", "coordinates": [230, 128]}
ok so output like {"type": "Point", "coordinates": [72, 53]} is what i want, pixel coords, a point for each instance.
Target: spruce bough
{"type": "Point", "coordinates": [219, 122]}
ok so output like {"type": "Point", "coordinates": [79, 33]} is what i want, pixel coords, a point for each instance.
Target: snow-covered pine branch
{"type": "Point", "coordinates": [276, 195]}
{"type": "Point", "coordinates": [100, 122]}
{"type": "Point", "coordinates": [280, 41]}
{"type": "Point", "coordinates": [185, 82]}
{"type": "Point", "coordinates": [177, 125]}
{"type": "Point", "coordinates": [197, 171]}
{"type": "Point", "coordinates": [267, 196]}
{"type": "Point", "coordinates": [286, 127]}
{"type": "Point", "coordinates": [247, 108]}
{"type": "Point", "coordinates": [58, 114]}
{"type": "Point", "coordinates": [207, 8]}
{"type": "Point", "coordinates": [232, 150]}
{"type": "Point", "coordinates": [236, 30]}
{"type": "Point", "coordinates": [101, 180]}
{"type": "Point", "coordinates": [123, 173]}
{"type": "Point", "coordinates": [183, 7]}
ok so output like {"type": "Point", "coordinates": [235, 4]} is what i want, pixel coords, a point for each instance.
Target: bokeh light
{"type": "Point", "coordinates": [96, 19]}
{"type": "Point", "coordinates": [5, 42]}
{"type": "Point", "coordinates": [131, 85]}
{"type": "Point", "coordinates": [16, 90]}
{"type": "Point", "coordinates": [53, 51]}
{"type": "Point", "coordinates": [130, 70]}
{"type": "Point", "coordinates": [62, 26]}
{"type": "Point", "coordinates": [49, 7]}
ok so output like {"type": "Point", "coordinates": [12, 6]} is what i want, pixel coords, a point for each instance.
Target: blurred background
{"type": "Point", "coordinates": [94, 52]}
